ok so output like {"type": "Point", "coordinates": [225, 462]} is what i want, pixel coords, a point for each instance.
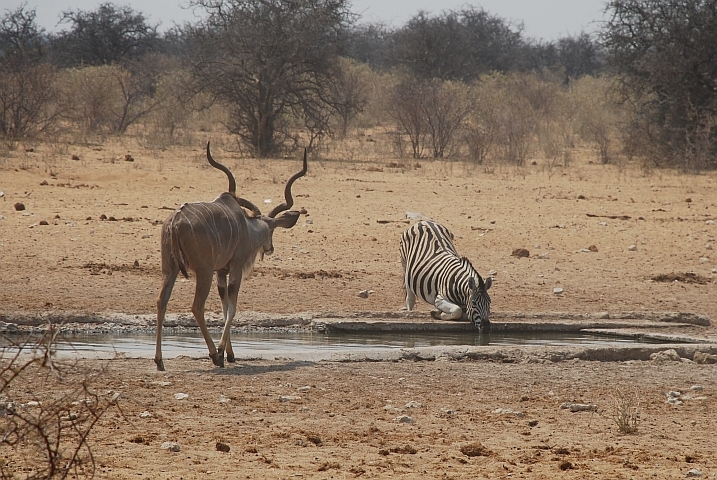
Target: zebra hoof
{"type": "Point", "coordinates": [218, 359]}
{"type": "Point", "coordinates": [160, 364]}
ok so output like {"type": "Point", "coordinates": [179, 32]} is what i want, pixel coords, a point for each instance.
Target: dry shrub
{"type": "Point", "coordinates": [45, 431]}
{"type": "Point", "coordinates": [626, 413]}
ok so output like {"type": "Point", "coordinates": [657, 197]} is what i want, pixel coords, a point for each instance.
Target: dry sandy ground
{"type": "Point", "coordinates": [345, 424]}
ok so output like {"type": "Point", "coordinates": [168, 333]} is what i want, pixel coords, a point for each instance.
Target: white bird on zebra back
{"type": "Point", "coordinates": [434, 272]}
{"type": "Point", "coordinates": [217, 236]}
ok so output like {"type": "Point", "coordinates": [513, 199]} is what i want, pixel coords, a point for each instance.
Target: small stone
{"type": "Point", "coordinates": [604, 224]}
{"type": "Point", "coordinates": [223, 447]}
{"type": "Point", "coordinates": [75, 157]}
{"type": "Point", "coordinates": [704, 259]}
{"type": "Point", "coordinates": [557, 290]}
{"type": "Point", "coordinates": [714, 270]}
{"type": "Point", "coordinates": [694, 473]}
{"type": "Point", "coordinates": [709, 246]}
{"type": "Point", "coordinates": [710, 222]}
{"type": "Point", "coordinates": [404, 419]}
{"type": "Point", "coordinates": [19, 206]}
{"type": "Point", "coordinates": [593, 248]}
{"type": "Point", "coordinates": [697, 388]}
{"type": "Point", "coordinates": [703, 358]}
{"type": "Point", "coordinates": [520, 253]}
{"type": "Point", "coordinates": [145, 414]}
{"type": "Point", "coordinates": [223, 399]}
{"type": "Point", "coordinates": [413, 404]}
{"type": "Point", "coordinates": [309, 221]}
{"type": "Point", "coordinates": [288, 398]}
{"type": "Point", "coordinates": [181, 396]}
{"type": "Point", "coordinates": [305, 388]}
{"type": "Point", "coordinates": [544, 256]}
{"type": "Point", "coordinates": [363, 294]}
{"type": "Point", "coordinates": [508, 411]}
{"type": "Point", "coordinates": [579, 407]}
{"type": "Point", "coordinates": [128, 158]}
{"type": "Point", "coordinates": [44, 222]}
{"type": "Point", "coordinates": [171, 446]}
{"type": "Point", "coordinates": [632, 248]}
{"type": "Point", "coordinates": [665, 356]}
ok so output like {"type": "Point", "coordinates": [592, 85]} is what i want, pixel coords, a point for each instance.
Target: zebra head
{"type": "Point", "coordinates": [478, 308]}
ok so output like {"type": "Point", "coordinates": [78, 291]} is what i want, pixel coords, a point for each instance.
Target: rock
{"type": "Point", "coordinates": [416, 216]}
{"type": "Point", "coordinates": [632, 248]}
{"type": "Point", "coordinates": [223, 447]}
{"type": "Point", "coordinates": [223, 399]}
{"type": "Point", "coordinates": [697, 388]}
{"type": "Point", "coordinates": [171, 446]}
{"type": "Point", "coordinates": [145, 414]}
{"type": "Point", "coordinates": [579, 407]}
{"type": "Point", "coordinates": [128, 158]}
{"type": "Point", "coordinates": [665, 356]}
{"type": "Point", "coordinates": [557, 290]}
{"type": "Point", "coordinates": [520, 253]}
{"type": "Point", "coordinates": [404, 419]}
{"type": "Point", "coordinates": [704, 358]}
{"type": "Point", "coordinates": [710, 222]}
{"type": "Point", "coordinates": [694, 473]}
{"type": "Point", "coordinates": [181, 396]}
{"type": "Point", "coordinates": [363, 294]}
{"type": "Point", "coordinates": [305, 388]}
{"type": "Point", "coordinates": [593, 248]}
{"type": "Point", "coordinates": [75, 157]}
{"type": "Point", "coordinates": [704, 259]}
{"type": "Point", "coordinates": [508, 411]}
{"type": "Point", "coordinates": [288, 398]}
{"type": "Point", "coordinates": [544, 256]}
{"type": "Point", "coordinates": [413, 404]}
{"type": "Point", "coordinates": [19, 206]}
{"type": "Point", "coordinates": [709, 246]}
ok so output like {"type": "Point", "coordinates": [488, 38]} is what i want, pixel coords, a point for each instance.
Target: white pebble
{"type": "Point", "coordinates": [710, 222]}
{"type": "Point", "coordinates": [404, 419]}
{"type": "Point", "coordinates": [694, 473]}
{"type": "Point", "coordinates": [171, 446]}
{"type": "Point", "coordinates": [181, 396]}
{"type": "Point", "coordinates": [632, 248]}
{"type": "Point", "coordinates": [413, 404]}
{"type": "Point", "coordinates": [557, 290]}
{"type": "Point", "coordinates": [288, 398]}
{"type": "Point", "coordinates": [145, 414]}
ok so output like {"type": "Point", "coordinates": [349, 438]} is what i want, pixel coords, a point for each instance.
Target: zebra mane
{"type": "Point", "coordinates": [469, 266]}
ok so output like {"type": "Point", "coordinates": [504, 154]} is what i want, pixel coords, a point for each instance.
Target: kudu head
{"type": "Point", "coordinates": [271, 221]}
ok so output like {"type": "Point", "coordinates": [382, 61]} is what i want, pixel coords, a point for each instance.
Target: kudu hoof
{"type": "Point", "coordinates": [230, 358]}
{"type": "Point", "coordinates": [218, 359]}
{"type": "Point", "coordinates": [160, 364]}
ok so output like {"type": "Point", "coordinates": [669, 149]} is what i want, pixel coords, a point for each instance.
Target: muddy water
{"type": "Point", "coordinates": [315, 346]}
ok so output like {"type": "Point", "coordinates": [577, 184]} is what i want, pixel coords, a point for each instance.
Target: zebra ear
{"type": "Point", "coordinates": [472, 283]}
{"type": "Point", "coordinates": [488, 282]}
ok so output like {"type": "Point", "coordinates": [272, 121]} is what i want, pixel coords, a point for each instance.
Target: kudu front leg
{"type": "Point", "coordinates": [232, 292]}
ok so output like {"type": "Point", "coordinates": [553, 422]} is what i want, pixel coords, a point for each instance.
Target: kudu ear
{"type": "Point", "coordinates": [287, 220]}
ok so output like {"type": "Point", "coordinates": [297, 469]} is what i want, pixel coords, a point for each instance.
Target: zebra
{"type": "Point", "coordinates": [434, 272]}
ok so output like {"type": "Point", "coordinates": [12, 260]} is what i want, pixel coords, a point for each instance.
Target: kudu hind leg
{"type": "Point", "coordinates": [162, 301]}
{"type": "Point", "coordinates": [204, 285]}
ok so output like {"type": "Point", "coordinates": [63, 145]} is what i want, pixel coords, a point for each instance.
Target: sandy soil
{"type": "Point", "coordinates": [344, 425]}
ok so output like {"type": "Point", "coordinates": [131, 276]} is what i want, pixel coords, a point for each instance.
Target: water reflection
{"type": "Point", "coordinates": [267, 344]}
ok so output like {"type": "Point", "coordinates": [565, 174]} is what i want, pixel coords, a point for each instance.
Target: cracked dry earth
{"type": "Point", "coordinates": [288, 419]}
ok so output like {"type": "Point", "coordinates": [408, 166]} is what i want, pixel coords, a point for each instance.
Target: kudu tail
{"type": "Point", "coordinates": [175, 248]}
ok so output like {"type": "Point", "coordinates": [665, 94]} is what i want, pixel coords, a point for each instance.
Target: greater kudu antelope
{"type": "Point", "coordinates": [217, 236]}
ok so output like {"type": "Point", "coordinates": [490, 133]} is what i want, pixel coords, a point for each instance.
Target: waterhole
{"type": "Point", "coordinates": [312, 345]}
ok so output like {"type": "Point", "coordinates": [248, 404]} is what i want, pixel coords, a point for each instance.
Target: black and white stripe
{"type": "Point", "coordinates": [434, 272]}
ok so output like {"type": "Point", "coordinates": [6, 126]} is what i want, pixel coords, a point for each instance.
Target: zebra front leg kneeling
{"type": "Point", "coordinates": [446, 310]}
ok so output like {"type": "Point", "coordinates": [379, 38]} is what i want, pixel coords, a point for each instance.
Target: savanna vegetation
{"type": "Point", "coordinates": [464, 84]}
